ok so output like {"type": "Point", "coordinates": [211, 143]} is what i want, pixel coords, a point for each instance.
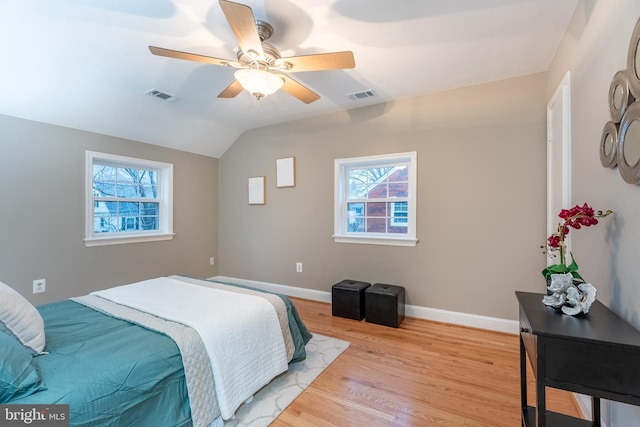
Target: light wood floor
{"type": "Point", "coordinates": [421, 374]}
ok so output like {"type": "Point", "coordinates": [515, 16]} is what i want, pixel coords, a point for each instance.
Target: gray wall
{"type": "Point", "coordinates": [481, 198]}
{"type": "Point", "coordinates": [42, 214]}
{"type": "Point", "coordinates": [594, 49]}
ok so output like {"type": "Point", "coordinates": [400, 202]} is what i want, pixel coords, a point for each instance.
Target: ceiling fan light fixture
{"type": "Point", "coordinates": [258, 82]}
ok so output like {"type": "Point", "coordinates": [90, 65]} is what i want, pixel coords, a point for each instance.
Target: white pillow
{"type": "Point", "coordinates": [21, 319]}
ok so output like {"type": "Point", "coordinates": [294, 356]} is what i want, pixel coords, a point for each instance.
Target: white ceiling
{"type": "Point", "coordinates": [85, 64]}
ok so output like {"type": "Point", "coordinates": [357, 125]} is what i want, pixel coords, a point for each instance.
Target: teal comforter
{"type": "Point", "coordinates": [112, 372]}
{"type": "Point", "coordinates": [109, 371]}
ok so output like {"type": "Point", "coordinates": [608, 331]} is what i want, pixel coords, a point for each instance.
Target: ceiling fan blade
{"type": "Point", "coordinates": [160, 51]}
{"type": "Point", "coordinates": [321, 61]}
{"type": "Point", "coordinates": [243, 25]}
{"type": "Point", "coordinates": [231, 91]}
{"type": "Point", "coordinates": [298, 90]}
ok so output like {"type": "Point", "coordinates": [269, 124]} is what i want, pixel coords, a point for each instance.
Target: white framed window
{"type": "Point", "coordinates": [128, 200]}
{"type": "Point", "coordinates": [375, 199]}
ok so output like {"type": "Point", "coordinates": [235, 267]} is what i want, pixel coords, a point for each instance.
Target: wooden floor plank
{"type": "Point", "coordinates": [421, 374]}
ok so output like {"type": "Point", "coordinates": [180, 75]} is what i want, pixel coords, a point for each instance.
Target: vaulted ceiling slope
{"type": "Point", "coordinates": [86, 64]}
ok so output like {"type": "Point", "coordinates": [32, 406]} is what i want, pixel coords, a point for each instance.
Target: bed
{"type": "Point", "coordinates": [117, 357]}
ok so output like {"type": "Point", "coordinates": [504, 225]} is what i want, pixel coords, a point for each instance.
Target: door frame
{"type": "Point", "coordinates": [559, 156]}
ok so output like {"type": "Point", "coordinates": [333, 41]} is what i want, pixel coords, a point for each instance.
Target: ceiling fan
{"type": "Point", "coordinates": [260, 66]}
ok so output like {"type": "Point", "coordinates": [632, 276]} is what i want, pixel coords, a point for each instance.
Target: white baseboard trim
{"type": "Point", "coordinates": [291, 291]}
{"type": "Point", "coordinates": [435, 314]}
{"type": "Point", "coordinates": [463, 319]}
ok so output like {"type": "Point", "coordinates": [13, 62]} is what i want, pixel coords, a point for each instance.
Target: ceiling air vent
{"type": "Point", "coordinates": [162, 95]}
{"type": "Point", "coordinates": [362, 94]}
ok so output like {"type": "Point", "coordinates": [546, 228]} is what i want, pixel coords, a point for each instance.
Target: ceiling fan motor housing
{"type": "Point", "coordinates": [271, 54]}
{"type": "Point", "coordinates": [264, 30]}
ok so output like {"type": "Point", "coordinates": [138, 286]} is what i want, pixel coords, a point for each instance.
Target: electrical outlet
{"type": "Point", "coordinates": [212, 261]}
{"type": "Point", "coordinates": [298, 267]}
{"type": "Point", "coordinates": [39, 286]}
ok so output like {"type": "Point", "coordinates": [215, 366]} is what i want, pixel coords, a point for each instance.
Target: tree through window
{"type": "Point", "coordinates": [125, 199]}
{"type": "Point", "coordinates": [130, 198]}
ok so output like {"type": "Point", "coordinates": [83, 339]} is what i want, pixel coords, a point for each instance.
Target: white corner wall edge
{"type": "Point", "coordinates": [435, 314]}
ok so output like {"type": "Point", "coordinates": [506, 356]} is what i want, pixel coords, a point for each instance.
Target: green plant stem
{"type": "Point", "coordinates": [562, 245]}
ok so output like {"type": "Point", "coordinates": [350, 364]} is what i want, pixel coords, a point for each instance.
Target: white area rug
{"type": "Point", "coordinates": [269, 402]}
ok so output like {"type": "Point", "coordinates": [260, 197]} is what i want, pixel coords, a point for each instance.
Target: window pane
{"type": "Point", "coordinates": [149, 177]}
{"type": "Point", "coordinates": [149, 222]}
{"type": "Point", "coordinates": [399, 209]}
{"type": "Point", "coordinates": [356, 225]}
{"type": "Point", "coordinates": [148, 191]}
{"type": "Point", "coordinates": [104, 179]}
{"type": "Point", "coordinates": [376, 225]}
{"type": "Point", "coordinates": [379, 190]}
{"type": "Point", "coordinates": [127, 175]}
{"type": "Point", "coordinates": [150, 208]}
{"type": "Point", "coordinates": [149, 215]}
{"type": "Point", "coordinates": [103, 173]}
{"type": "Point", "coordinates": [399, 214]}
{"type": "Point", "coordinates": [399, 189]}
{"type": "Point", "coordinates": [399, 174]}
{"type": "Point", "coordinates": [125, 190]}
{"type": "Point", "coordinates": [358, 183]}
{"type": "Point", "coordinates": [102, 223]}
{"type": "Point", "coordinates": [112, 207]}
{"type": "Point", "coordinates": [400, 219]}
{"type": "Point", "coordinates": [397, 229]}
{"type": "Point", "coordinates": [355, 217]}
{"type": "Point", "coordinates": [356, 209]}
{"type": "Point", "coordinates": [128, 208]}
{"type": "Point", "coordinates": [376, 209]}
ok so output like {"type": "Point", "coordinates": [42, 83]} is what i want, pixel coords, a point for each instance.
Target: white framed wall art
{"type": "Point", "coordinates": [286, 172]}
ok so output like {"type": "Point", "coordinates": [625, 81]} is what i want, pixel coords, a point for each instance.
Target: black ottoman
{"type": "Point", "coordinates": [347, 299]}
{"type": "Point", "coordinates": [385, 304]}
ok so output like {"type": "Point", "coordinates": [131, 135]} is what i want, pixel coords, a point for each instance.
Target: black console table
{"type": "Point", "coordinates": [595, 354]}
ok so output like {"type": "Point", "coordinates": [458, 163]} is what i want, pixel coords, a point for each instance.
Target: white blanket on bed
{"type": "Point", "coordinates": [245, 346]}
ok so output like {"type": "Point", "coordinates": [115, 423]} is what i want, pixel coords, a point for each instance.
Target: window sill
{"type": "Point", "coordinates": [119, 240]}
{"type": "Point", "coordinates": [376, 240]}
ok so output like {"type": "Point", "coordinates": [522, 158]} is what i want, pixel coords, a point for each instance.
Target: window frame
{"type": "Point", "coordinates": [165, 199]}
{"type": "Point", "coordinates": [341, 233]}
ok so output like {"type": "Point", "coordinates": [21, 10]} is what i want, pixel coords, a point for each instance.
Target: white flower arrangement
{"type": "Point", "coordinates": [570, 298]}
